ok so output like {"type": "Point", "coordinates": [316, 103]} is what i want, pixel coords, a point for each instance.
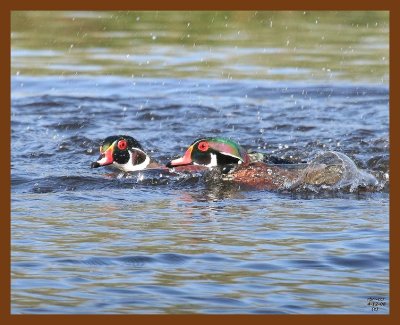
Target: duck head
{"type": "Point", "coordinates": [123, 152]}
{"type": "Point", "coordinates": [211, 152]}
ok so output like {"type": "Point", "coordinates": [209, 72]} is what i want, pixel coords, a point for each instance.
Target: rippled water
{"type": "Point", "coordinates": [91, 241]}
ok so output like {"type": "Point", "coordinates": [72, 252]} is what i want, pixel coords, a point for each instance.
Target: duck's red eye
{"type": "Point", "coordinates": [122, 144]}
{"type": "Point", "coordinates": [203, 146]}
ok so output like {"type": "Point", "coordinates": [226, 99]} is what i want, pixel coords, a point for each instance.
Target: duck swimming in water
{"type": "Point", "coordinates": [329, 169]}
{"type": "Point", "coordinates": [124, 153]}
{"type": "Point", "coordinates": [212, 152]}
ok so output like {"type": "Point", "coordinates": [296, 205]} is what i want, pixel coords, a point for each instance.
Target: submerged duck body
{"type": "Point", "coordinates": [327, 170]}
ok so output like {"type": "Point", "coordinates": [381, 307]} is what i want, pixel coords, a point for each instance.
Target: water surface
{"type": "Point", "coordinates": [289, 84]}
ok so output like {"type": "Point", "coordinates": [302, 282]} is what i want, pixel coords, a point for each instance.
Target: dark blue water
{"type": "Point", "coordinates": [91, 241]}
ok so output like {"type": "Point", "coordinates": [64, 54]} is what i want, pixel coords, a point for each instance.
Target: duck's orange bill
{"type": "Point", "coordinates": [185, 160]}
{"type": "Point", "coordinates": [106, 158]}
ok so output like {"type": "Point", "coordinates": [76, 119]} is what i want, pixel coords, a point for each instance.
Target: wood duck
{"type": "Point", "coordinates": [124, 153]}
{"type": "Point", "coordinates": [327, 170]}
{"type": "Point", "coordinates": [212, 152]}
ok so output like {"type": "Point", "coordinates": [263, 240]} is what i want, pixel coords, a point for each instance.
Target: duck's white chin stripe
{"type": "Point", "coordinates": [213, 162]}
{"type": "Point", "coordinates": [129, 167]}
